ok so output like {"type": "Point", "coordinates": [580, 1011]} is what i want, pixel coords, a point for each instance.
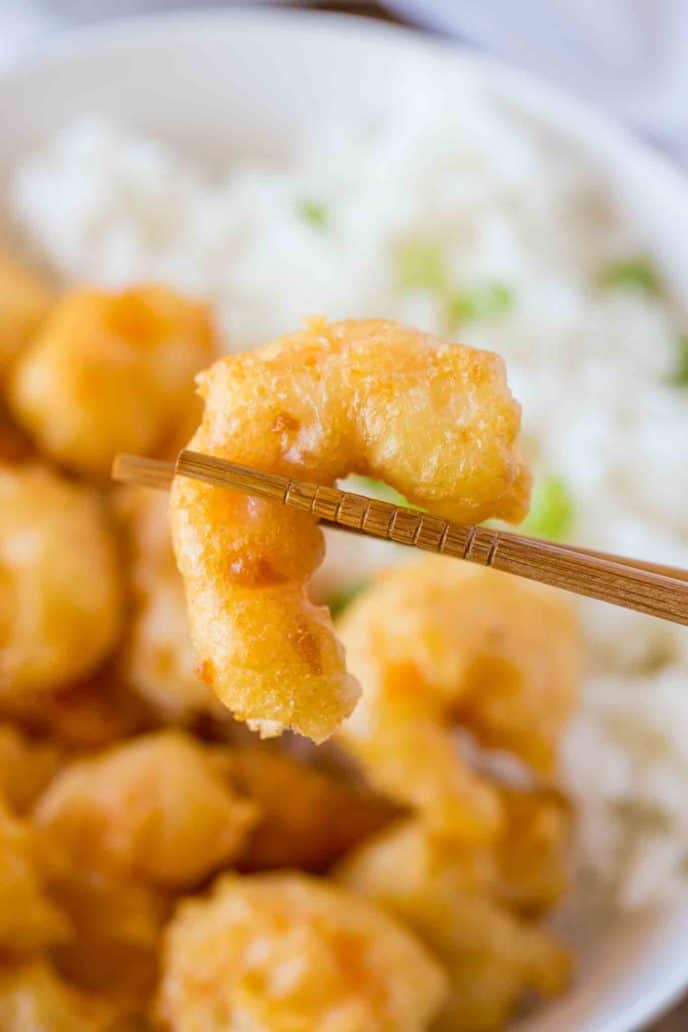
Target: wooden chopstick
{"type": "Point", "coordinates": [660, 591]}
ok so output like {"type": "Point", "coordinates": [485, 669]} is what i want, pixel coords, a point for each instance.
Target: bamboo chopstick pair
{"type": "Point", "coordinates": [660, 591]}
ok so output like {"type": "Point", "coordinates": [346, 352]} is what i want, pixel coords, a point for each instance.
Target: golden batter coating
{"type": "Point", "coordinates": [159, 660]}
{"type": "Point", "coordinates": [532, 853]}
{"type": "Point", "coordinates": [435, 420]}
{"type": "Point", "coordinates": [495, 962]}
{"type": "Point", "coordinates": [525, 869]}
{"type": "Point", "coordinates": [439, 645]}
{"type": "Point", "coordinates": [60, 585]}
{"type": "Point", "coordinates": [116, 925]}
{"type": "Point", "coordinates": [29, 921]}
{"type": "Point", "coordinates": [33, 998]}
{"type": "Point", "coordinates": [444, 893]}
{"type": "Point", "coordinates": [26, 767]}
{"type": "Point", "coordinates": [88, 714]}
{"type": "Point", "coordinates": [290, 953]}
{"type": "Point", "coordinates": [112, 372]}
{"type": "Point", "coordinates": [15, 445]}
{"type": "Point", "coordinates": [25, 300]}
{"type": "Point", "coordinates": [120, 833]}
{"type": "Point", "coordinates": [153, 809]}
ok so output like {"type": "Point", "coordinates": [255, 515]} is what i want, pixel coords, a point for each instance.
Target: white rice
{"type": "Point", "coordinates": [505, 202]}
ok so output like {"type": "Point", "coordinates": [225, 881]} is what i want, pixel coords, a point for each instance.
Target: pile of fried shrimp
{"type": "Point", "coordinates": [221, 811]}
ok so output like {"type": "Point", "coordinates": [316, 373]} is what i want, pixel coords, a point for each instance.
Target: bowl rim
{"type": "Point", "coordinates": [540, 96]}
{"type": "Point", "coordinates": [548, 102]}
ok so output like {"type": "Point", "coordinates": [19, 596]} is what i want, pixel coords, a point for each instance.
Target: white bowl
{"type": "Point", "coordinates": [255, 82]}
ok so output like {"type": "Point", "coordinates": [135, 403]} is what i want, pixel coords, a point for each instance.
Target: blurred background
{"type": "Point", "coordinates": [628, 56]}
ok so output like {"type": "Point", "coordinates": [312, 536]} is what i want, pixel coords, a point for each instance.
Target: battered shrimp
{"type": "Point", "coordinates": [153, 809]}
{"type": "Point", "coordinates": [443, 892]}
{"type": "Point", "coordinates": [33, 998]}
{"type": "Point", "coordinates": [24, 302]}
{"type": "Point", "coordinates": [524, 870]}
{"type": "Point", "coordinates": [60, 588]}
{"type": "Point", "coordinates": [291, 954]}
{"type": "Point", "coordinates": [159, 659]}
{"type": "Point", "coordinates": [26, 767]}
{"type": "Point", "coordinates": [89, 714]}
{"type": "Point", "coordinates": [15, 445]}
{"type": "Point", "coordinates": [436, 421]}
{"type": "Point", "coordinates": [120, 833]}
{"type": "Point", "coordinates": [531, 855]}
{"type": "Point", "coordinates": [439, 644]}
{"type": "Point", "coordinates": [29, 921]}
{"type": "Point", "coordinates": [116, 928]}
{"type": "Point", "coordinates": [112, 372]}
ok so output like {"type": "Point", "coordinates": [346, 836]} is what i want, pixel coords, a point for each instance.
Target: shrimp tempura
{"type": "Point", "coordinates": [493, 957]}
{"type": "Point", "coordinates": [434, 420]}
{"type": "Point", "coordinates": [440, 645]}
{"type": "Point", "coordinates": [288, 952]}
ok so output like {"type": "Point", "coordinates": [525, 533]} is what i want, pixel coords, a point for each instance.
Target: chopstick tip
{"type": "Point", "coordinates": [137, 469]}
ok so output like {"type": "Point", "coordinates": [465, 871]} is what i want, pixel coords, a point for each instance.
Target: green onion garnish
{"type": "Point", "coordinates": [488, 301]}
{"type": "Point", "coordinates": [420, 265]}
{"type": "Point", "coordinates": [552, 511]}
{"type": "Point", "coordinates": [635, 273]}
{"type": "Point", "coordinates": [313, 212]}
{"type": "Point", "coordinates": [679, 377]}
{"type": "Point", "coordinates": [342, 598]}
{"type": "Point", "coordinates": [378, 489]}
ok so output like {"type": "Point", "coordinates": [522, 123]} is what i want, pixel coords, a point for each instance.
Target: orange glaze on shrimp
{"type": "Point", "coordinates": [436, 421]}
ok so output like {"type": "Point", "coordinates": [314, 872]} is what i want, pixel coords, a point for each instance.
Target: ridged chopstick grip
{"type": "Point", "coordinates": [558, 565]}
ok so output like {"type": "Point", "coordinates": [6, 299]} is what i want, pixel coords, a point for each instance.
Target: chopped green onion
{"type": "Point", "coordinates": [483, 302]}
{"type": "Point", "coordinates": [631, 274]}
{"type": "Point", "coordinates": [679, 377]}
{"type": "Point", "coordinates": [341, 599]}
{"type": "Point", "coordinates": [420, 265]}
{"type": "Point", "coordinates": [552, 511]}
{"type": "Point", "coordinates": [313, 212]}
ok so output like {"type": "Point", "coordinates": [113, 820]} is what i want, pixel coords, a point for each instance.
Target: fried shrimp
{"type": "Point", "coordinates": [438, 645]}
{"type": "Point", "coordinates": [33, 998]}
{"type": "Point", "coordinates": [531, 856]}
{"type": "Point", "coordinates": [435, 420]}
{"type": "Point", "coordinates": [153, 809]}
{"type": "Point", "coordinates": [112, 372]}
{"type": "Point", "coordinates": [15, 445]}
{"type": "Point", "coordinates": [24, 302]}
{"type": "Point", "coordinates": [89, 714]}
{"type": "Point", "coordinates": [116, 927]}
{"type": "Point", "coordinates": [122, 832]}
{"type": "Point", "coordinates": [60, 585]}
{"type": "Point", "coordinates": [159, 660]}
{"type": "Point", "coordinates": [525, 869]}
{"type": "Point", "coordinates": [443, 892]}
{"type": "Point", "coordinates": [26, 767]}
{"type": "Point", "coordinates": [289, 953]}
{"type": "Point", "coordinates": [29, 921]}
